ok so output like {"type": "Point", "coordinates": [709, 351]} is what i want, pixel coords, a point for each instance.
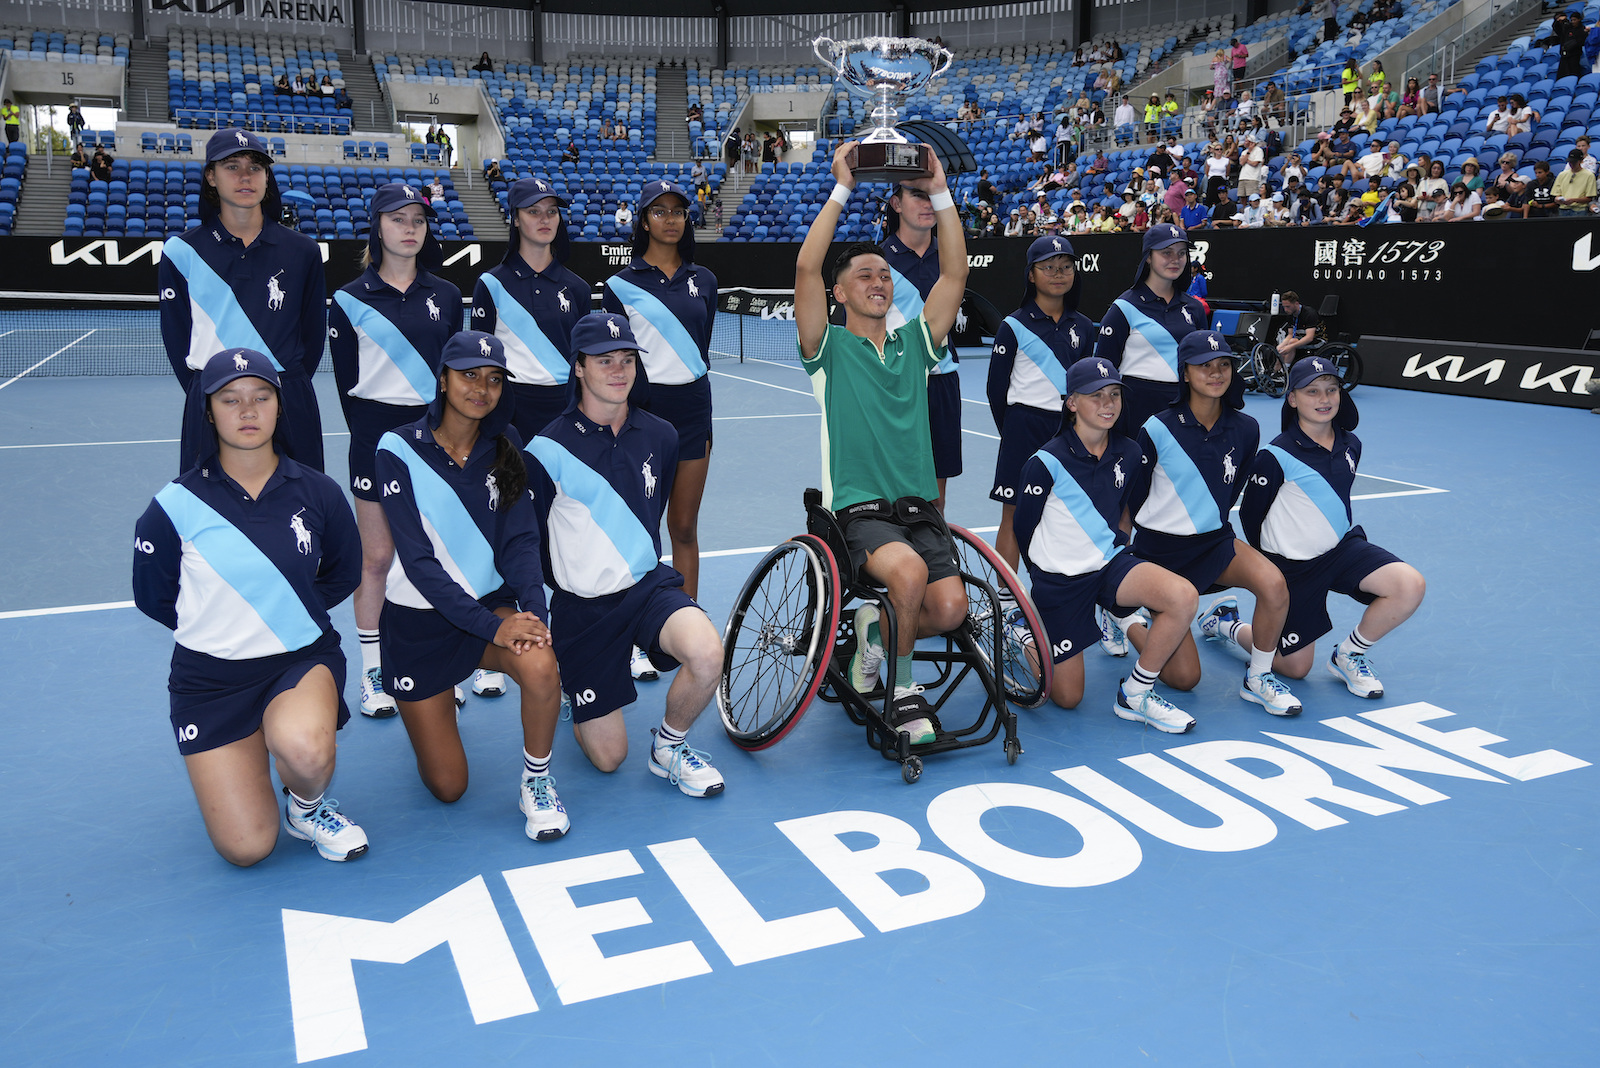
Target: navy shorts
{"type": "Point", "coordinates": [688, 409]}
{"type": "Point", "coordinates": [368, 421]}
{"type": "Point", "coordinates": [944, 423]}
{"type": "Point", "coordinates": [424, 654]}
{"type": "Point", "coordinates": [594, 638]}
{"type": "Point", "coordinates": [932, 543]}
{"type": "Point", "coordinates": [1025, 431]}
{"type": "Point", "coordinates": [1066, 604]}
{"type": "Point", "coordinates": [538, 407]}
{"type": "Point", "coordinates": [216, 702]}
{"type": "Point", "coordinates": [1142, 398]}
{"type": "Point", "coordinates": [1339, 570]}
{"type": "Point", "coordinates": [1200, 558]}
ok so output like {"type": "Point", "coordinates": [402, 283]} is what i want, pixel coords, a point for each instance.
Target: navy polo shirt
{"type": "Point", "coordinates": [1297, 503]}
{"type": "Point", "coordinates": [670, 317]}
{"type": "Point", "coordinates": [1140, 332]}
{"type": "Point", "coordinates": [1070, 509]}
{"type": "Point", "coordinates": [600, 498]}
{"type": "Point", "coordinates": [1030, 358]}
{"type": "Point", "coordinates": [219, 293]}
{"type": "Point", "coordinates": [532, 313]}
{"type": "Point", "coordinates": [914, 278]}
{"type": "Point", "coordinates": [386, 343]}
{"type": "Point", "coordinates": [1195, 474]}
{"type": "Point", "coordinates": [237, 577]}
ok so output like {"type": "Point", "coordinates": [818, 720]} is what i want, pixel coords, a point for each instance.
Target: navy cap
{"type": "Point", "coordinates": [225, 143]}
{"type": "Point", "coordinates": [393, 197]}
{"type": "Point", "coordinates": [1203, 346]}
{"type": "Point", "coordinates": [1046, 247]}
{"type": "Point", "coordinates": [525, 192]}
{"type": "Point", "coordinates": [600, 332]}
{"type": "Point", "coordinates": [474, 348]}
{"type": "Point", "coordinates": [655, 190]}
{"type": "Point", "coordinates": [1306, 370]}
{"type": "Point", "coordinates": [1164, 235]}
{"type": "Point", "coordinates": [1092, 374]}
{"type": "Point", "coordinates": [230, 364]}
{"type": "Point", "coordinates": [396, 195]}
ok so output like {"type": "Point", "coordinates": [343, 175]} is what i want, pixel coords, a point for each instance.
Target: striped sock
{"type": "Point", "coordinates": [370, 657]}
{"type": "Point", "coordinates": [666, 737]}
{"type": "Point", "coordinates": [1355, 643]}
{"type": "Point", "coordinates": [533, 766]}
{"type": "Point", "coordinates": [302, 808]}
{"type": "Point", "coordinates": [1140, 681]}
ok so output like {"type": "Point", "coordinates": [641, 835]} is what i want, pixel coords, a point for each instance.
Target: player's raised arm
{"type": "Point", "coordinates": [810, 291]}
{"type": "Point", "coordinates": [944, 300]}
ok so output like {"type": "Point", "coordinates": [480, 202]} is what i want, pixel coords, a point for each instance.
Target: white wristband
{"type": "Point", "coordinates": [940, 201]}
{"type": "Point", "coordinates": [840, 195]}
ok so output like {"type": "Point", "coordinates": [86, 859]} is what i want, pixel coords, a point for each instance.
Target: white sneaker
{"type": "Point", "coordinates": [461, 699]}
{"type": "Point", "coordinates": [1216, 622]}
{"type": "Point", "coordinates": [686, 768]}
{"type": "Point", "coordinates": [374, 702]}
{"type": "Point", "coordinates": [1150, 707]}
{"type": "Point", "coordinates": [488, 683]}
{"type": "Point", "coordinates": [912, 715]}
{"type": "Point", "coordinates": [547, 816]}
{"type": "Point", "coordinates": [1112, 638]}
{"type": "Point", "coordinates": [868, 658]}
{"type": "Point", "coordinates": [643, 670]}
{"type": "Point", "coordinates": [1266, 691]}
{"type": "Point", "coordinates": [330, 830]}
{"type": "Point", "coordinates": [1355, 671]}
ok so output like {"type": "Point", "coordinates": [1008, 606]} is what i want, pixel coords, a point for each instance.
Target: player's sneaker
{"type": "Point", "coordinates": [640, 666]}
{"type": "Point", "coordinates": [1355, 671]}
{"type": "Point", "coordinates": [330, 830]}
{"type": "Point", "coordinates": [912, 715]}
{"type": "Point", "coordinates": [1150, 707]}
{"type": "Point", "coordinates": [547, 816]}
{"type": "Point", "coordinates": [1112, 638]}
{"type": "Point", "coordinates": [461, 699]}
{"type": "Point", "coordinates": [374, 702]}
{"type": "Point", "coordinates": [868, 658]}
{"type": "Point", "coordinates": [488, 683]}
{"type": "Point", "coordinates": [686, 768]}
{"type": "Point", "coordinates": [1266, 691]}
{"type": "Point", "coordinates": [1218, 620]}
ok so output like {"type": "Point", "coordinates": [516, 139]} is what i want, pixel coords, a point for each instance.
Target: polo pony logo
{"type": "Point", "coordinates": [1100, 365]}
{"type": "Point", "coordinates": [302, 536]}
{"type": "Point", "coordinates": [694, 290]}
{"type": "Point", "coordinates": [494, 491]}
{"type": "Point", "coordinates": [275, 293]}
{"type": "Point", "coordinates": [1056, 243]}
{"type": "Point", "coordinates": [411, 194]}
{"type": "Point", "coordinates": [483, 347]}
{"type": "Point", "coordinates": [240, 363]}
{"type": "Point", "coordinates": [243, 140]}
{"type": "Point", "coordinates": [1215, 346]}
{"type": "Point", "coordinates": [611, 325]}
{"type": "Point", "coordinates": [561, 299]}
{"type": "Point", "coordinates": [433, 309]}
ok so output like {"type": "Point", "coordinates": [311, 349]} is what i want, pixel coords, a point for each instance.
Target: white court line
{"type": "Point", "coordinates": [769, 385]}
{"type": "Point", "coordinates": [808, 393]}
{"type": "Point", "coordinates": [65, 610]}
{"type": "Point", "coordinates": [44, 361]}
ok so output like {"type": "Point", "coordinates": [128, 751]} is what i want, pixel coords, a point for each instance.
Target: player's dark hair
{"type": "Point", "coordinates": [1289, 294]}
{"type": "Point", "coordinates": [510, 473]}
{"type": "Point", "coordinates": [841, 262]}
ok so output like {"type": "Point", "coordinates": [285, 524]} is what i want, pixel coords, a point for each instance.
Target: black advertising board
{"type": "Point", "coordinates": [1502, 372]}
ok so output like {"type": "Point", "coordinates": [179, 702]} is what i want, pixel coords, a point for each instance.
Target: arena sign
{"type": "Point", "coordinates": [1286, 778]}
{"type": "Point", "coordinates": [285, 11]}
{"type": "Point", "coordinates": [1501, 372]}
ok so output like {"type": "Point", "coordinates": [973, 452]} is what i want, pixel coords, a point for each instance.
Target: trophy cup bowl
{"type": "Point", "coordinates": [887, 69]}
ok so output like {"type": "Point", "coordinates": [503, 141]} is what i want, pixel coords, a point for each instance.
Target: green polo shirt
{"type": "Point", "coordinates": [875, 439]}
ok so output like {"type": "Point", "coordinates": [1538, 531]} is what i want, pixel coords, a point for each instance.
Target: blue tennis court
{"type": "Point", "coordinates": [1414, 880]}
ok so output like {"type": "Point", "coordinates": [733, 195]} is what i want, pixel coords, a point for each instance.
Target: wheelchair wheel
{"type": "Point", "coordinates": [777, 642]}
{"type": "Point", "coordinates": [1026, 677]}
{"type": "Point", "coordinates": [1348, 362]}
{"type": "Point", "coordinates": [1266, 370]}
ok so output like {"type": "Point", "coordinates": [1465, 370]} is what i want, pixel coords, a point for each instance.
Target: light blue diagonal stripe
{"type": "Point", "coordinates": [609, 511]}
{"type": "Point", "coordinates": [522, 323]}
{"type": "Point", "coordinates": [908, 302]}
{"type": "Point", "coordinates": [240, 563]}
{"type": "Point", "coordinates": [666, 324]}
{"type": "Point", "coordinates": [438, 503]}
{"type": "Point", "coordinates": [395, 345]}
{"type": "Point", "coordinates": [206, 287]}
{"type": "Point", "coordinates": [1159, 337]}
{"type": "Point", "coordinates": [1088, 517]}
{"type": "Point", "coordinates": [1324, 496]}
{"type": "Point", "coordinates": [1193, 492]}
{"type": "Point", "coordinates": [1034, 348]}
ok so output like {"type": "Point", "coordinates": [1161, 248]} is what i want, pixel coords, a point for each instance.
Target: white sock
{"type": "Point", "coordinates": [1356, 642]}
{"type": "Point", "coordinates": [666, 737]}
{"type": "Point", "coordinates": [533, 766]}
{"type": "Point", "coordinates": [301, 807]}
{"type": "Point", "coordinates": [370, 650]}
{"type": "Point", "coordinates": [1260, 661]}
{"type": "Point", "coordinates": [1140, 681]}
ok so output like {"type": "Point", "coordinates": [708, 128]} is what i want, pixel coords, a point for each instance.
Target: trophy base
{"type": "Point", "coordinates": [891, 161]}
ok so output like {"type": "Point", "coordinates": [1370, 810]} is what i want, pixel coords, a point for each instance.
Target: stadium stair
{"type": "Point", "coordinates": [734, 187]}
{"type": "Point", "coordinates": [483, 210]}
{"type": "Point", "coordinates": [369, 109]}
{"type": "Point", "coordinates": [672, 130]}
{"type": "Point", "coordinates": [145, 99]}
{"type": "Point", "coordinates": [1497, 44]}
{"type": "Point", "coordinates": [42, 207]}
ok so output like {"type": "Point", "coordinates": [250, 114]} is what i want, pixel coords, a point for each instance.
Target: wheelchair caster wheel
{"type": "Point", "coordinates": [911, 770]}
{"type": "Point", "coordinates": [1013, 750]}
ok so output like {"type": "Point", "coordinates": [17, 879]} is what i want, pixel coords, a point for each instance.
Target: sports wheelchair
{"type": "Point", "coordinates": [790, 639]}
{"type": "Point", "coordinates": [1264, 371]}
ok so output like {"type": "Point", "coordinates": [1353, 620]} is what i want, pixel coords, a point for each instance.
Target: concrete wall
{"type": "Point", "coordinates": [44, 82]}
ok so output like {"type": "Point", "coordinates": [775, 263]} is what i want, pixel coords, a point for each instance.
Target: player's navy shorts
{"type": "Point", "coordinates": [215, 702]}
{"type": "Point", "coordinates": [1026, 429]}
{"type": "Point", "coordinates": [944, 423]}
{"type": "Point", "coordinates": [688, 409]}
{"type": "Point", "coordinates": [538, 407]}
{"type": "Point", "coordinates": [930, 537]}
{"type": "Point", "coordinates": [1066, 603]}
{"type": "Point", "coordinates": [1339, 570]}
{"type": "Point", "coordinates": [424, 654]}
{"type": "Point", "coordinates": [368, 421]}
{"type": "Point", "coordinates": [594, 639]}
{"type": "Point", "coordinates": [1200, 558]}
{"type": "Point", "coordinates": [1142, 398]}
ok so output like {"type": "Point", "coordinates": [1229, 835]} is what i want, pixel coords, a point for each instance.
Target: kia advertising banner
{"type": "Point", "coordinates": [1503, 372]}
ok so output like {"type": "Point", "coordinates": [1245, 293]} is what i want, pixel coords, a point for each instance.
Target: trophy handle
{"type": "Point", "coordinates": [949, 57]}
{"type": "Point", "coordinates": [816, 46]}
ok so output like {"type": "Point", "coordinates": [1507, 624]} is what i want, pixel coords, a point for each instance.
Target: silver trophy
{"type": "Point", "coordinates": [888, 69]}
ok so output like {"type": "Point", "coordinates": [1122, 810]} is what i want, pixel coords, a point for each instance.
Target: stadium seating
{"type": "Point", "coordinates": [217, 79]}
{"type": "Point", "coordinates": [65, 46]}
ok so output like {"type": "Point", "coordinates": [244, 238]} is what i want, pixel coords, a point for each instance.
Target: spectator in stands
{"type": "Point", "coordinates": [624, 218]}
{"type": "Point", "coordinates": [1568, 37]}
{"type": "Point", "coordinates": [1591, 48]}
{"type": "Point", "coordinates": [1341, 209]}
{"type": "Point", "coordinates": [1141, 217]}
{"type": "Point", "coordinates": [1403, 204]}
{"type": "Point", "coordinates": [492, 172]}
{"type": "Point", "coordinates": [1324, 10]}
{"type": "Point", "coordinates": [1304, 209]}
{"type": "Point", "coordinates": [1431, 95]}
{"type": "Point", "coordinates": [619, 132]}
{"type": "Point", "coordinates": [1075, 222]}
{"type": "Point", "coordinates": [1160, 160]}
{"type": "Point", "coordinates": [484, 64]}
{"type": "Point", "coordinates": [327, 88]}
{"type": "Point", "coordinates": [341, 99]}
{"type": "Point", "coordinates": [100, 167]}
{"type": "Point", "coordinates": [1193, 215]}
{"type": "Point", "coordinates": [1128, 208]}
{"type": "Point", "coordinates": [75, 123]}
{"type": "Point", "coordinates": [1431, 205]}
{"type": "Point", "coordinates": [1124, 120]}
{"type": "Point", "coordinates": [1463, 206]}
{"type": "Point", "coordinates": [1208, 113]}
{"type": "Point", "coordinates": [1494, 205]}
{"type": "Point", "coordinates": [606, 129]}
{"type": "Point", "coordinates": [1014, 223]}
{"type": "Point", "coordinates": [1152, 116]}
{"type": "Point", "coordinates": [301, 88]}
{"type": "Point", "coordinates": [1574, 187]}
{"type": "Point", "coordinates": [1216, 170]}
{"type": "Point", "coordinates": [1507, 174]}
{"type": "Point", "coordinates": [1472, 176]}
{"type": "Point", "coordinates": [1177, 190]}
{"type": "Point", "coordinates": [1252, 168]}
{"type": "Point", "coordinates": [1171, 113]}
{"type": "Point", "coordinates": [281, 86]}
{"type": "Point", "coordinates": [1541, 200]}
{"type": "Point", "coordinates": [1274, 104]}
{"type": "Point", "coordinates": [271, 290]}
{"type": "Point", "coordinates": [1434, 182]}
{"type": "Point", "coordinates": [1582, 145]}
{"type": "Point", "coordinates": [968, 116]}
{"type": "Point", "coordinates": [1366, 117]}
{"type": "Point", "coordinates": [986, 190]}
{"type": "Point", "coordinates": [1225, 214]}
{"type": "Point", "coordinates": [1274, 213]}
{"type": "Point", "coordinates": [1377, 80]}
{"type": "Point", "coordinates": [1253, 217]}
{"type": "Point", "coordinates": [1342, 154]}
{"type": "Point", "coordinates": [1038, 147]}
{"type": "Point", "coordinates": [1523, 117]}
{"type": "Point", "coordinates": [1048, 222]}
{"type": "Point", "coordinates": [1350, 80]}
{"type": "Point", "coordinates": [1020, 130]}
{"type": "Point", "coordinates": [80, 157]}
{"type": "Point", "coordinates": [570, 154]}
{"type": "Point", "coordinates": [436, 192]}
{"type": "Point", "coordinates": [1292, 168]}
{"type": "Point", "coordinates": [1239, 56]}
{"type": "Point", "coordinates": [732, 147]}
{"type": "Point", "coordinates": [752, 153]}
{"type": "Point", "coordinates": [1244, 109]}
{"type": "Point", "coordinates": [446, 147]}
{"type": "Point", "coordinates": [1500, 118]}
{"type": "Point", "coordinates": [1515, 195]}
{"type": "Point", "coordinates": [1221, 67]}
